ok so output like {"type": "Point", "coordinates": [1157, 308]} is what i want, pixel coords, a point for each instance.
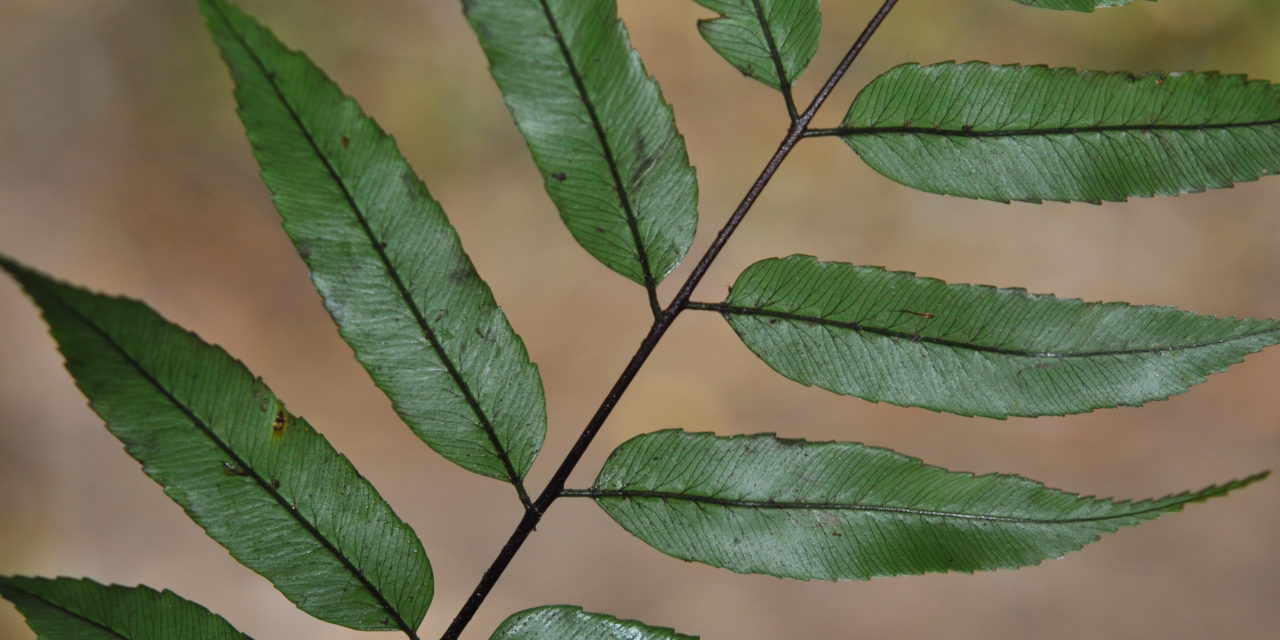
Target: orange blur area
{"type": "Point", "coordinates": [123, 168]}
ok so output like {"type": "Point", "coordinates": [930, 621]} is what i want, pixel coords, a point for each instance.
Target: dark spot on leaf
{"type": "Point", "coordinates": [1132, 78]}
{"type": "Point", "coordinates": [967, 128]}
{"type": "Point", "coordinates": [280, 422]}
{"type": "Point", "coordinates": [559, 176]}
{"type": "Point", "coordinates": [646, 159]}
{"type": "Point", "coordinates": [463, 274]}
{"type": "Point", "coordinates": [346, 142]}
{"type": "Point", "coordinates": [233, 469]}
{"type": "Point", "coordinates": [304, 250]}
{"type": "Point", "coordinates": [275, 483]}
{"type": "Point", "coordinates": [417, 190]}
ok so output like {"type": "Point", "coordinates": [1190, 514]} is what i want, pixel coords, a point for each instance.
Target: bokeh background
{"type": "Point", "coordinates": [123, 167]}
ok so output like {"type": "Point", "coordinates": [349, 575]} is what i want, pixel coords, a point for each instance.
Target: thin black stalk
{"type": "Point", "coordinates": [788, 96]}
{"type": "Point", "coordinates": [654, 305]}
{"type": "Point", "coordinates": [659, 328]}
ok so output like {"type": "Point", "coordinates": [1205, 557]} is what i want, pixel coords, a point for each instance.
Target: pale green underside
{"type": "Point", "coordinates": [383, 255]}
{"type": "Point", "coordinates": [786, 38]}
{"type": "Point", "coordinates": [81, 609]}
{"type": "Point", "coordinates": [844, 511]}
{"type": "Point", "coordinates": [563, 622]}
{"type": "Point", "coordinates": [1034, 133]}
{"type": "Point", "coordinates": [974, 350]}
{"type": "Point", "coordinates": [260, 481]}
{"type": "Point", "coordinates": [599, 129]}
{"type": "Point", "coordinates": [1075, 5]}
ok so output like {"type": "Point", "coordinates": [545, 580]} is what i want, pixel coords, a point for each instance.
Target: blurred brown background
{"type": "Point", "coordinates": [123, 167]}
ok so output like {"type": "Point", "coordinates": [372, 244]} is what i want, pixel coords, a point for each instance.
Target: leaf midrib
{"type": "Point", "coordinates": [240, 462]}
{"type": "Point", "coordinates": [727, 309]}
{"type": "Point", "coordinates": [853, 132]}
{"type": "Point", "coordinates": [774, 54]}
{"type": "Point", "coordinates": [626, 494]}
{"type": "Point", "coordinates": [69, 612]}
{"type": "Point", "coordinates": [624, 198]}
{"type": "Point", "coordinates": [485, 424]}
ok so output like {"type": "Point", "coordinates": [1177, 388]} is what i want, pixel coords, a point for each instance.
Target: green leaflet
{"type": "Point", "coordinates": [81, 609]}
{"type": "Point", "coordinates": [259, 480]}
{"type": "Point", "coordinates": [1033, 133]}
{"type": "Point", "coordinates": [970, 349]}
{"type": "Point", "coordinates": [598, 127]}
{"type": "Point", "coordinates": [385, 258]}
{"type": "Point", "coordinates": [1075, 5]}
{"type": "Point", "coordinates": [845, 511]}
{"type": "Point", "coordinates": [769, 40]}
{"type": "Point", "coordinates": [563, 622]}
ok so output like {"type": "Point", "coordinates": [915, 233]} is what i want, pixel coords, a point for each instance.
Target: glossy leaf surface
{"type": "Point", "coordinates": [769, 40]}
{"type": "Point", "coordinates": [564, 622]}
{"type": "Point", "coordinates": [599, 129]}
{"type": "Point", "coordinates": [385, 258]}
{"type": "Point", "coordinates": [1034, 133]}
{"type": "Point", "coordinates": [844, 511]}
{"type": "Point", "coordinates": [1075, 5]}
{"type": "Point", "coordinates": [258, 479]}
{"type": "Point", "coordinates": [974, 350]}
{"type": "Point", "coordinates": [81, 609]}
